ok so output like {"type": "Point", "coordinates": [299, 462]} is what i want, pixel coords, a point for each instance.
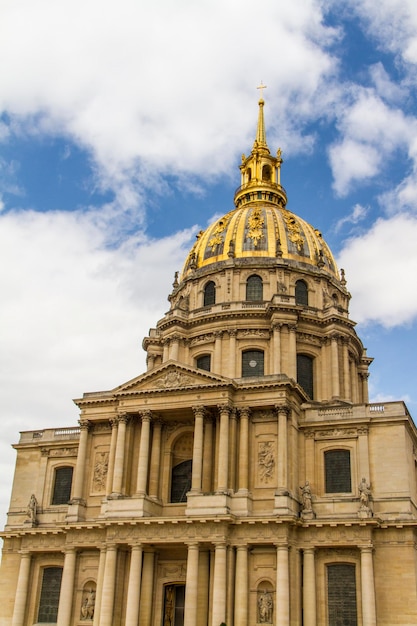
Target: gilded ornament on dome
{"type": "Point", "coordinates": [255, 226]}
{"type": "Point", "coordinates": [217, 238]}
{"type": "Point", "coordinates": [294, 230]}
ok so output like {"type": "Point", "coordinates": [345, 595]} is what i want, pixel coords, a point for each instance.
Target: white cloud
{"type": "Point", "coordinates": [385, 292]}
{"type": "Point", "coordinates": [358, 213]}
{"type": "Point", "coordinates": [146, 85]}
{"type": "Point", "coordinates": [73, 315]}
{"type": "Point", "coordinates": [371, 131]}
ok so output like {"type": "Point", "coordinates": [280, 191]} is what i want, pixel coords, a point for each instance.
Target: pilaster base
{"type": "Point", "coordinates": [207, 505]}
{"type": "Point", "coordinates": [284, 504]}
{"type": "Point", "coordinates": [135, 506]}
{"type": "Point", "coordinates": [76, 511]}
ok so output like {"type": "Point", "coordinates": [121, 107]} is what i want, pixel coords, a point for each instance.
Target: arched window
{"type": "Point", "coordinates": [252, 363]}
{"type": "Point", "coordinates": [337, 471]}
{"type": "Point", "coordinates": [204, 362]}
{"type": "Point", "coordinates": [62, 485]}
{"type": "Point", "coordinates": [181, 469]}
{"type": "Point", "coordinates": [49, 596]}
{"type": "Point", "coordinates": [301, 292]}
{"type": "Point", "coordinates": [181, 481]}
{"type": "Point", "coordinates": [305, 373]}
{"type": "Point", "coordinates": [341, 594]}
{"type": "Point", "coordinates": [266, 173]}
{"type": "Point", "coordinates": [254, 288]}
{"type": "Point", "coordinates": [210, 293]}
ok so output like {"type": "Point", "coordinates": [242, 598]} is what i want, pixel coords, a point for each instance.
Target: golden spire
{"type": "Point", "coordinates": [260, 141]}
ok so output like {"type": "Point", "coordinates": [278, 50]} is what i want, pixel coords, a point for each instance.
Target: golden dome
{"type": "Point", "coordinates": [260, 230]}
{"type": "Point", "coordinates": [260, 226]}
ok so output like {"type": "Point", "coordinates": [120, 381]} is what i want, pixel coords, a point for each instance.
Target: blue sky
{"type": "Point", "coordinates": [121, 130]}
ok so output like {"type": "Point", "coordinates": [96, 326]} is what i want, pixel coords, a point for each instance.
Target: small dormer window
{"type": "Point", "coordinates": [254, 288]}
{"type": "Point", "coordinates": [301, 293]}
{"type": "Point", "coordinates": [209, 293]}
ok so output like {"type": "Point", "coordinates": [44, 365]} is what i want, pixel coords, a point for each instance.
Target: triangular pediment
{"type": "Point", "coordinates": [171, 376]}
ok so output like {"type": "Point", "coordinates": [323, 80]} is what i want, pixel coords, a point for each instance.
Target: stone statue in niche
{"type": "Point", "coordinates": [307, 501]}
{"type": "Point", "coordinates": [364, 495]}
{"type": "Point", "coordinates": [265, 607]}
{"type": "Point", "coordinates": [32, 511]}
{"type": "Point", "coordinates": [88, 605]}
{"type": "Point", "coordinates": [266, 461]}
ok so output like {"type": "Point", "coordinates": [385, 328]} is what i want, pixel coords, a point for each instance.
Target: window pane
{"type": "Point", "coordinates": [341, 592]}
{"type": "Point", "coordinates": [62, 486]}
{"type": "Point", "coordinates": [49, 599]}
{"type": "Point", "coordinates": [337, 465]}
{"type": "Point", "coordinates": [305, 373]}
{"type": "Point", "coordinates": [253, 363]}
{"type": "Point", "coordinates": [254, 288]}
{"type": "Point", "coordinates": [181, 481]}
{"type": "Point", "coordinates": [210, 294]}
{"type": "Point", "coordinates": [301, 292]}
{"type": "Point", "coordinates": [204, 362]}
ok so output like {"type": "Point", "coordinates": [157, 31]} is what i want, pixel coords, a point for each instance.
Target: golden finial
{"type": "Point", "coordinates": [261, 87]}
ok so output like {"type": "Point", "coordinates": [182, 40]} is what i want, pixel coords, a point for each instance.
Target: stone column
{"type": "Point", "coordinates": [81, 462]}
{"type": "Point", "coordinates": [219, 585]}
{"type": "Point", "coordinates": [232, 450]}
{"type": "Point", "coordinates": [217, 365]}
{"type": "Point", "coordinates": [276, 349]}
{"type": "Point", "coordinates": [143, 462]}
{"type": "Point", "coordinates": [146, 593]}
{"type": "Point", "coordinates": [292, 357]}
{"type": "Point", "coordinates": [335, 367]}
{"type": "Point", "coordinates": [203, 587]}
{"type": "Point", "coordinates": [325, 366]}
{"type": "Point", "coordinates": [232, 353]}
{"type": "Point", "coordinates": [119, 458]}
{"type": "Point", "coordinates": [191, 586]}
{"type": "Point", "coordinates": [368, 587]}
{"type": "Point", "coordinates": [109, 581]}
{"type": "Point", "coordinates": [207, 483]}
{"type": "Point", "coordinates": [282, 469]}
{"type": "Point", "coordinates": [223, 478]}
{"type": "Point", "coordinates": [309, 588]}
{"type": "Point", "coordinates": [133, 589]}
{"type": "Point", "coordinates": [112, 456]}
{"type": "Point", "coordinates": [66, 596]}
{"type": "Point", "coordinates": [196, 479]}
{"type": "Point", "coordinates": [241, 587]}
{"type": "Point", "coordinates": [22, 590]}
{"type": "Point", "coordinates": [165, 353]}
{"type": "Point", "coordinates": [155, 460]}
{"type": "Point", "coordinates": [283, 587]}
{"type": "Point", "coordinates": [99, 588]}
{"type": "Point", "coordinates": [150, 362]}
{"type": "Point", "coordinates": [174, 347]}
{"type": "Point", "coordinates": [347, 392]}
{"type": "Point", "coordinates": [244, 451]}
{"type": "Point", "coordinates": [365, 394]}
{"type": "Point", "coordinates": [354, 382]}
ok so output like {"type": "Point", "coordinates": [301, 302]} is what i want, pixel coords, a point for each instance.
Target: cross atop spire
{"type": "Point", "coordinates": [261, 87]}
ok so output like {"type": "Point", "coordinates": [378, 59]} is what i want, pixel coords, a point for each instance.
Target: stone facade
{"type": "Point", "coordinates": [244, 478]}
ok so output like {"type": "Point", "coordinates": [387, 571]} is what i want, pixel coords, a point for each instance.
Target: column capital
{"type": "Point", "coordinates": [283, 409]}
{"type": "Point", "coordinates": [245, 412]}
{"type": "Point", "coordinates": [225, 408]}
{"type": "Point", "coordinates": [113, 422]}
{"type": "Point", "coordinates": [84, 424]}
{"type": "Point", "coordinates": [122, 418]}
{"type": "Point", "coordinates": [145, 415]}
{"type": "Point", "coordinates": [199, 410]}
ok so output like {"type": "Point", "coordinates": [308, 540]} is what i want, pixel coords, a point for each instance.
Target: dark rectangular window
{"type": "Point", "coordinates": [337, 470]}
{"type": "Point", "coordinates": [62, 485]}
{"type": "Point", "coordinates": [49, 598]}
{"type": "Point", "coordinates": [204, 362]}
{"type": "Point", "coordinates": [341, 594]}
{"type": "Point", "coordinates": [252, 363]}
{"type": "Point", "coordinates": [305, 373]}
